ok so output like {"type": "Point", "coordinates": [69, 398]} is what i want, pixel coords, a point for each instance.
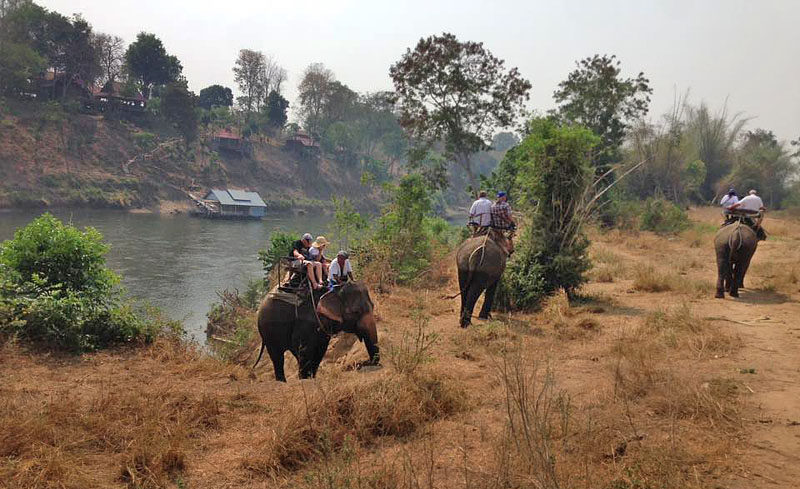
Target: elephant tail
{"type": "Point", "coordinates": [263, 345]}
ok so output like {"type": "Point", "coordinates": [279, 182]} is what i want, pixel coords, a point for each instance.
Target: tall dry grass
{"type": "Point", "coordinates": [356, 412]}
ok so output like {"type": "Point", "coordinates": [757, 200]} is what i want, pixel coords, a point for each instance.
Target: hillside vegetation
{"type": "Point", "coordinates": [50, 155]}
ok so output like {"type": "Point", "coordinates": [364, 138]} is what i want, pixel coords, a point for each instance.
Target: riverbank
{"type": "Point", "coordinates": [647, 381]}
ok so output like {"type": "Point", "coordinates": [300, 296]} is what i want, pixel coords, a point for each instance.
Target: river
{"type": "Point", "coordinates": [177, 262]}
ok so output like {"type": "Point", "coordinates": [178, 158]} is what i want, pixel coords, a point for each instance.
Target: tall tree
{"type": "Point", "coordinates": [314, 89]}
{"type": "Point", "coordinates": [249, 76]}
{"type": "Point", "coordinates": [456, 92]}
{"type": "Point", "coordinates": [596, 96]}
{"type": "Point", "coordinates": [148, 62]}
{"type": "Point", "coordinates": [178, 107]}
{"type": "Point", "coordinates": [111, 54]}
{"type": "Point", "coordinates": [764, 164]}
{"type": "Point", "coordinates": [272, 77]}
{"type": "Point", "coordinates": [276, 110]}
{"type": "Point", "coordinates": [215, 95]}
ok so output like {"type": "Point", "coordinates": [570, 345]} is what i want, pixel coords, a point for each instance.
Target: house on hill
{"type": "Point", "coordinates": [113, 96]}
{"type": "Point", "coordinates": [300, 142]}
{"type": "Point", "coordinates": [232, 204]}
{"type": "Point", "coordinates": [55, 84]}
{"type": "Point", "coordinates": [227, 140]}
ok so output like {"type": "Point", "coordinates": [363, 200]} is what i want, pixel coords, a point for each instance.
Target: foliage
{"type": "Point", "coordinates": [111, 54]}
{"type": "Point", "coordinates": [763, 164]}
{"type": "Point", "coordinates": [313, 92]}
{"type": "Point", "coordinates": [553, 175]}
{"type": "Point", "coordinates": [56, 290]}
{"type": "Point", "coordinates": [595, 96]}
{"type": "Point", "coordinates": [178, 107]}
{"type": "Point", "coordinates": [215, 95]}
{"type": "Point", "coordinates": [662, 216]}
{"type": "Point", "coordinates": [346, 221]}
{"type": "Point", "coordinates": [276, 110]}
{"type": "Point", "coordinates": [279, 247]}
{"type": "Point", "coordinates": [247, 73]}
{"type": "Point", "coordinates": [713, 138]}
{"type": "Point", "coordinates": [456, 92]}
{"type": "Point", "coordinates": [148, 62]}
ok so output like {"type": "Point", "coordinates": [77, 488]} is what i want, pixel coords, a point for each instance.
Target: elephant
{"type": "Point", "coordinates": [306, 332]}
{"type": "Point", "coordinates": [481, 262]}
{"type": "Point", "coordinates": [735, 245]}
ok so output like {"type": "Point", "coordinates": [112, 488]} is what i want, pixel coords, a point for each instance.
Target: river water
{"type": "Point", "coordinates": [177, 262]}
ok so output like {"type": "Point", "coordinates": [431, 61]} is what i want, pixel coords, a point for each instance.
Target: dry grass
{"type": "Point", "coordinates": [324, 422]}
{"type": "Point", "coordinates": [50, 442]}
{"type": "Point", "coordinates": [647, 279]}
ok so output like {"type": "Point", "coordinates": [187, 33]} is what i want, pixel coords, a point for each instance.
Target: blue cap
{"type": "Point", "coordinates": [501, 194]}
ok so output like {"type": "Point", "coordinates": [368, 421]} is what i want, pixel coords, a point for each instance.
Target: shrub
{"type": "Point", "coordinates": [662, 216]}
{"type": "Point", "coordinates": [279, 245]}
{"type": "Point", "coordinates": [56, 290]}
{"type": "Point", "coordinates": [554, 175]}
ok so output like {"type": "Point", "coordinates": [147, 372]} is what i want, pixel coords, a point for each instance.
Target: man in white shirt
{"type": "Point", "coordinates": [341, 271]}
{"type": "Point", "coordinates": [751, 203]}
{"type": "Point", "coordinates": [480, 214]}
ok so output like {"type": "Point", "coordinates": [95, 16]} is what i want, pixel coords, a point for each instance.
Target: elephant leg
{"type": "Point", "coordinates": [276, 355]}
{"type": "Point", "coordinates": [373, 351]}
{"type": "Point", "coordinates": [744, 265]}
{"type": "Point", "coordinates": [723, 270]}
{"type": "Point", "coordinates": [473, 293]}
{"type": "Point", "coordinates": [463, 277]}
{"type": "Point", "coordinates": [736, 269]}
{"type": "Point", "coordinates": [488, 301]}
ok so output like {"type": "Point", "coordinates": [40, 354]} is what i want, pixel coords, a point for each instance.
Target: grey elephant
{"type": "Point", "coordinates": [481, 262]}
{"type": "Point", "coordinates": [735, 245]}
{"type": "Point", "coordinates": [306, 332]}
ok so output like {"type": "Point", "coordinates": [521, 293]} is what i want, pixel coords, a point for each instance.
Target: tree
{"type": "Point", "coordinates": [553, 168]}
{"type": "Point", "coordinates": [111, 54]}
{"type": "Point", "coordinates": [457, 93]}
{"type": "Point", "coordinates": [595, 96]}
{"type": "Point", "coordinates": [148, 62]}
{"type": "Point", "coordinates": [249, 76]}
{"type": "Point", "coordinates": [764, 164]}
{"type": "Point", "coordinates": [272, 77]}
{"type": "Point", "coordinates": [314, 89]}
{"type": "Point", "coordinates": [276, 110]}
{"type": "Point", "coordinates": [178, 107]}
{"type": "Point", "coordinates": [215, 95]}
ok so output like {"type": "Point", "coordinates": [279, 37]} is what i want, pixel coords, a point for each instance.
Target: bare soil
{"type": "Point", "coordinates": [667, 389]}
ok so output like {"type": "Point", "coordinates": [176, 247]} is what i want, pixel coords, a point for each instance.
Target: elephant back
{"type": "Point", "coordinates": [480, 254]}
{"type": "Point", "coordinates": [736, 237]}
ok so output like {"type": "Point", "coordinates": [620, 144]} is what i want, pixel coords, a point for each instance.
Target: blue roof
{"type": "Point", "coordinates": [236, 197]}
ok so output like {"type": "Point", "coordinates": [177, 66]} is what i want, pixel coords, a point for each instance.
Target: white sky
{"type": "Point", "coordinates": [747, 52]}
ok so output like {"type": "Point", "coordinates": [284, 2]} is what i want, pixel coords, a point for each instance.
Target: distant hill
{"type": "Point", "coordinates": [52, 157]}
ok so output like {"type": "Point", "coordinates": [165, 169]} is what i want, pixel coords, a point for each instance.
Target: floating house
{"type": "Point", "coordinates": [231, 204]}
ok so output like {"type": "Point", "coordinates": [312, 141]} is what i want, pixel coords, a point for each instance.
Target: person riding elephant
{"type": "Point", "coordinates": [306, 328]}
{"type": "Point", "coordinates": [734, 245]}
{"type": "Point", "coordinates": [481, 262]}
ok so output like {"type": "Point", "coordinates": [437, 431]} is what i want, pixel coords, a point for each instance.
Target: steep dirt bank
{"type": "Point", "coordinates": [647, 382]}
{"type": "Point", "coordinates": [49, 157]}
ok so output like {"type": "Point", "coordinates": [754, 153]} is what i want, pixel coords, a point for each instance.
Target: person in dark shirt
{"type": "Point", "coordinates": [301, 258]}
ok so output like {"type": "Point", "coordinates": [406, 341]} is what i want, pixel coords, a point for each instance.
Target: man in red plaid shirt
{"type": "Point", "coordinates": [503, 220]}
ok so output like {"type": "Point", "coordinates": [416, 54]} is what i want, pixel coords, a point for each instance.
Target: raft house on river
{"type": "Point", "coordinates": [230, 204]}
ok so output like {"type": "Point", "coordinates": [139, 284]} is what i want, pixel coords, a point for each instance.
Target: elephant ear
{"type": "Point", "coordinates": [330, 305]}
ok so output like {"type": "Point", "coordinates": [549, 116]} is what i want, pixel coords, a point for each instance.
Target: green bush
{"type": "Point", "coordinates": [662, 216]}
{"type": "Point", "coordinates": [279, 247]}
{"type": "Point", "coordinates": [56, 291]}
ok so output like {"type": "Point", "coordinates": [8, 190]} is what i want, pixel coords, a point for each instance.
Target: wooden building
{"type": "Point", "coordinates": [300, 142]}
{"type": "Point", "coordinates": [231, 204]}
{"type": "Point", "coordinates": [228, 141]}
{"type": "Point", "coordinates": [112, 96]}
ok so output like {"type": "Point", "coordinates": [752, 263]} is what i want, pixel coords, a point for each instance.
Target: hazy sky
{"type": "Point", "coordinates": [747, 52]}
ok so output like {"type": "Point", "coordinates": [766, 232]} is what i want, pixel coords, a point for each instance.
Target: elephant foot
{"type": "Point", "coordinates": [486, 316]}
{"type": "Point", "coordinates": [464, 324]}
{"type": "Point", "coordinates": [719, 295]}
{"type": "Point", "coordinates": [734, 293]}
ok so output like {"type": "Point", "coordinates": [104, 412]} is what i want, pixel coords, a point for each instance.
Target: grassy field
{"type": "Point", "coordinates": [646, 381]}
